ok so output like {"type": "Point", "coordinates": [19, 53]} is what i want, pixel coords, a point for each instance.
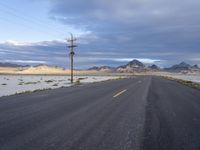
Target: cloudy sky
{"type": "Point", "coordinates": [109, 32]}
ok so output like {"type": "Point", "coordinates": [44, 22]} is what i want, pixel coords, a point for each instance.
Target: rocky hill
{"type": "Point", "coordinates": [132, 66]}
{"type": "Point", "coordinates": [138, 67]}
{"type": "Point", "coordinates": [179, 67]}
{"type": "Point", "coordinates": [103, 69]}
{"type": "Point", "coordinates": [183, 68]}
{"type": "Point", "coordinates": [154, 68]}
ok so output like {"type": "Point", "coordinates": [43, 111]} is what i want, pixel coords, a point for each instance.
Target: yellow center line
{"type": "Point", "coordinates": [118, 94]}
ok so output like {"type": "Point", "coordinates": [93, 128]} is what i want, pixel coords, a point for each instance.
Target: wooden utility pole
{"type": "Point", "coordinates": [71, 46]}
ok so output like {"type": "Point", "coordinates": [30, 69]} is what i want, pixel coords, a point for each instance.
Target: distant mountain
{"type": "Point", "coordinates": [94, 68]}
{"type": "Point", "coordinates": [195, 67]}
{"type": "Point", "coordinates": [47, 66]}
{"type": "Point", "coordinates": [42, 70]}
{"type": "Point", "coordinates": [154, 67]}
{"type": "Point", "coordinates": [179, 67]}
{"type": "Point", "coordinates": [10, 65]}
{"type": "Point", "coordinates": [26, 66]}
{"type": "Point", "coordinates": [132, 66]}
{"type": "Point", "coordinates": [103, 68]}
{"type": "Point", "coordinates": [137, 66]}
{"type": "Point", "coordinates": [184, 68]}
{"type": "Point", "coordinates": [39, 65]}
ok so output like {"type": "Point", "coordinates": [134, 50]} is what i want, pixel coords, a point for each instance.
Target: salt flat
{"type": "Point", "coordinates": [193, 78]}
{"type": "Point", "coordinates": [13, 84]}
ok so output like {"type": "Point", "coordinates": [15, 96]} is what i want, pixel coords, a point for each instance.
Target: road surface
{"type": "Point", "coordinates": [141, 113]}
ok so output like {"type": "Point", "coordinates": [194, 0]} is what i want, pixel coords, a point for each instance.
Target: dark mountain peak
{"type": "Point", "coordinates": [180, 67]}
{"type": "Point", "coordinates": [154, 67]}
{"type": "Point", "coordinates": [135, 64]}
{"type": "Point", "coordinates": [195, 66]}
{"type": "Point", "coordinates": [94, 68]}
{"type": "Point", "coordinates": [132, 66]}
{"type": "Point", "coordinates": [183, 64]}
{"type": "Point", "coordinates": [101, 68]}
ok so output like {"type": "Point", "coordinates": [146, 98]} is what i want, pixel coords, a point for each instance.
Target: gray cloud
{"type": "Point", "coordinates": [134, 26]}
{"type": "Point", "coordinates": [118, 30]}
{"type": "Point", "coordinates": [169, 14]}
{"type": "Point", "coordinates": [55, 53]}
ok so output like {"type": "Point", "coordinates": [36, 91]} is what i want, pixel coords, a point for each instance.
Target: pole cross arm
{"type": "Point", "coordinates": [71, 46]}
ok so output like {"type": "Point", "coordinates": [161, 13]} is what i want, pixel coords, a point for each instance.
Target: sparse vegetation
{"type": "Point", "coordinates": [21, 83]}
{"type": "Point", "coordinates": [29, 92]}
{"type": "Point", "coordinates": [27, 83]}
{"type": "Point", "coordinates": [49, 81]}
{"type": "Point", "coordinates": [185, 82]}
{"type": "Point", "coordinates": [56, 84]}
{"type": "Point", "coordinates": [61, 80]}
{"type": "Point", "coordinates": [78, 82]}
{"type": "Point", "coordinates": [81, 79]}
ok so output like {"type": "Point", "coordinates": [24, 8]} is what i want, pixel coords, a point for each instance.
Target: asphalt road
{"type": "Point", "coordinates": [142, 113]}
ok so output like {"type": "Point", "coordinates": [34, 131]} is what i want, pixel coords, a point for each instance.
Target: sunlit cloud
{"type": "Point", "coordinates": [26, 61]}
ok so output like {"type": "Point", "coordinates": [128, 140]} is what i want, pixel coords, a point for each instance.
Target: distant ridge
{"type": "Point", "coordinates": [179, 67]}
{"type": "Point", "coordinates": [10, 65]}
{"type": "Point", "coordinates": [137, 66]}
{"type": "Point", "coordinates": [103, 68]}
{"type": "Point", "coordinates": [134, 66]}
{"type": "Point", "coordinates": [183, 67]}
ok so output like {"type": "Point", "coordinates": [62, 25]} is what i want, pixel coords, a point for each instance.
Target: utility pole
{"type": "Point", "coordinates": [71, 46]}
